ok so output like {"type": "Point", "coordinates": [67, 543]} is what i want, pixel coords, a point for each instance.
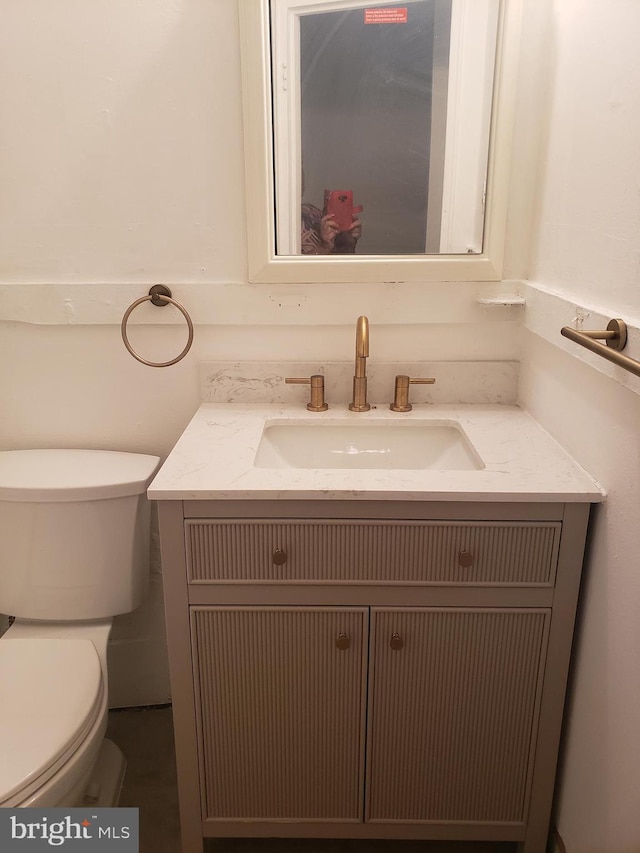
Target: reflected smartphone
{"type": "Point", "coordinates": [339, 203]}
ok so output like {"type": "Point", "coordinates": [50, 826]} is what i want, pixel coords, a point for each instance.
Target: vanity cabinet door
{"type": "Point", "coordinates": [281, 704]}
{"type": "Point", "coordinates": [453, 697]}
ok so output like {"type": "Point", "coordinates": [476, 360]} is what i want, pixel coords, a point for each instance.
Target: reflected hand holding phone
{"type": "Point", "coordinates": [339, 204]}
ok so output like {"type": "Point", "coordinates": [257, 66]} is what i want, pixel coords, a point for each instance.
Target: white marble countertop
{"type": "Point", "coordinates": [214, 459]}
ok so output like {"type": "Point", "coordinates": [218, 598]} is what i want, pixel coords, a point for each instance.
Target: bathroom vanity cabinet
{"type": "Point", "coordinates": [369, 668]}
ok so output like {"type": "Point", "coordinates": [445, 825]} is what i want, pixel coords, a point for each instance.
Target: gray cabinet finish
{"type": "Point", "coordinates": [369, 669]}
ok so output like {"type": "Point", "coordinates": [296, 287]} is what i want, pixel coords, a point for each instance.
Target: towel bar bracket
{"type": "Point", "coordinates": [618, 340]}
{"type": "Point", "coordinates": [615, 338]}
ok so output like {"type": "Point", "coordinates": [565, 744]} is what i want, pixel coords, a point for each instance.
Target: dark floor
{"type": "Point", "coordinates": [146, 738]}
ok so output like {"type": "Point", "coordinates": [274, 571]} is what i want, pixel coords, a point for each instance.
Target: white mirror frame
{"type": "Point", "coordinates": [265, 266]}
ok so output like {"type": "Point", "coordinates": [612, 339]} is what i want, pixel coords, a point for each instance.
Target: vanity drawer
{"type": "Point", "coordinates": [477, 553]}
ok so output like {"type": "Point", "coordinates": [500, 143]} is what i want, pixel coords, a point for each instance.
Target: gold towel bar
{"type": "Point", "coordinates": [615, 336]}
{"type": "Point", "coordinates": [159, 295]}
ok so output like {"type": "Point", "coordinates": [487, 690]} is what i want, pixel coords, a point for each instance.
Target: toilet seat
{"type": "Point", "coordinates": [52, 694]}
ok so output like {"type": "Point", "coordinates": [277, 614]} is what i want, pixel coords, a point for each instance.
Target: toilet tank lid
{"type": "Point", "coordinates": [73, 475]}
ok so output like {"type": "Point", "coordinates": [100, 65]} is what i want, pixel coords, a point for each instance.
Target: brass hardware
{"type": "Point", "coordinates": [159, 295]}
{"type": "Point", "coordinates": [359, 402]}
{"type": "Point", "coordinates": [317, 403]}
{"type": "Point", "coordinates": [396, 642]}
{"type": "Point", "coordinates": [465, 559]}
{"type": "Point", "coordinates": [279, 557]}
{"type": "Point", "coordinates": [616, 340]}
{"type": "Point", "coordinates": [401, 392]}
{"type": "Point", "coordinates": [342, 642]}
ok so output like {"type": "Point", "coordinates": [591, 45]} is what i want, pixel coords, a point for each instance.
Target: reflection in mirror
{"type": "Point", "coordinates": [382, 115]}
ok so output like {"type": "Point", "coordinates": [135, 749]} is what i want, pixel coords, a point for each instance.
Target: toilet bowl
{"type": "Point", "coordinates": [54, 715]}
{"type": "Point", "coordinates": [74, 533]}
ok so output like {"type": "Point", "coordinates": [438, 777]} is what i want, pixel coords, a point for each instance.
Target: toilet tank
{"type": "Point", "coordinates": [74, 533]}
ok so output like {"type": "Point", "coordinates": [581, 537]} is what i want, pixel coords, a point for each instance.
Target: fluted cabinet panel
{"type": "Point", "coordinates": [388, 551]}
{"type": "Point", "coordinates": [452, 712]}
{"type": "Point", "coordinates": [282, 707]}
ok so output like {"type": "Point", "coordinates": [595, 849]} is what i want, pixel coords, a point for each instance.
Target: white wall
{"type": "Point", "coordinates": [590, 171]}
{"type": "Point", "coordinates": [586, 248]}
{"type": "Point", "coordinates": [121, 155]}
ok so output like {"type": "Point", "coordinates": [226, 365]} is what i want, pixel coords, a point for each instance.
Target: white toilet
{"type": "Point", "coordinates": [74, 531]}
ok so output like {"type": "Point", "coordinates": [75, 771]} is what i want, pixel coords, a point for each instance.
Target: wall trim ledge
{"type": "Point", "coordinates": [240, 303]}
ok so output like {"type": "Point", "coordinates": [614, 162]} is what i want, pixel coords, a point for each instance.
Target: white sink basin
{"type": "Point", "coordinates": [412, 445]}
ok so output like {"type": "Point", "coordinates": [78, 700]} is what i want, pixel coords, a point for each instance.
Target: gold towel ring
{"type": "Point", "coordinates": [159, 295]}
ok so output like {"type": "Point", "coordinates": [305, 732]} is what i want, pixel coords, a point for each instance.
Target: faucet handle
{"type": "Point", "coordinates": [401, 392]}
{"type": "Point", "coordinates": [317, 403]}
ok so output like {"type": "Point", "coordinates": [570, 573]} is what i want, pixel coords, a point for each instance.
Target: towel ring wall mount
{"type": "Point", "coordinates": [160, 296]}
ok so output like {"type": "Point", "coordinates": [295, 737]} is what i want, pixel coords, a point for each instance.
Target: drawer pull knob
{"type": "Point", "coordinates": [342, 642]}
{"type": "Point", "coordinates": [279, 557]}
{"type": "Point", "coordinates": [465, 559]}
{"type": "Point", "coordinates": [396, 642]}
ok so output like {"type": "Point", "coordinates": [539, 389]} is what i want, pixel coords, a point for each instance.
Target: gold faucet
{"type": "Point", "coordinates": [359, 403]}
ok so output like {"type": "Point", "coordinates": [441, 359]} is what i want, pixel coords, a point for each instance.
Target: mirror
{"type": "Point", "coordinates": [376, 138]}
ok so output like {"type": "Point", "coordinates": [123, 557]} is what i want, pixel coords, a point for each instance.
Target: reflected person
{"type": "Point", "coordinates": [321, 235]}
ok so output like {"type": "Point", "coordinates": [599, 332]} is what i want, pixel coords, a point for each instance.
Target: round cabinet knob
{"type": "Point", "coordinates": [396, 642]}
{"type": "Point", "coordinates": [279, 557]}
{"type": "Point", "coordinates": [342, 642]}
{"type": "Point", "coordinates": [465, 559]}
